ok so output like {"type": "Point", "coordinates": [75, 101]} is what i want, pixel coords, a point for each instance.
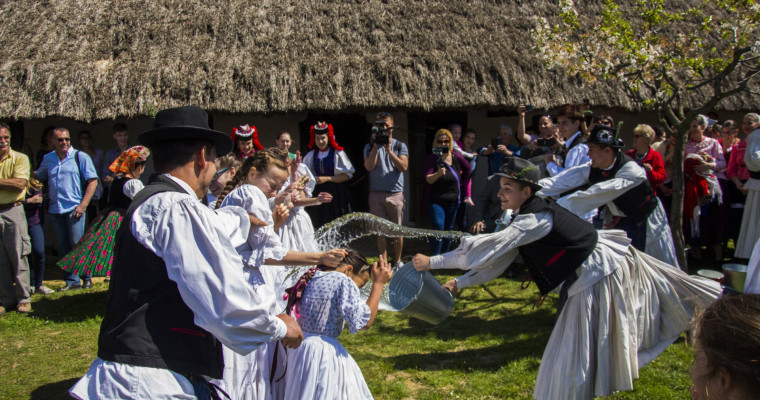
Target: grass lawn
{"type": "Point", "coordinates": [490, 348]}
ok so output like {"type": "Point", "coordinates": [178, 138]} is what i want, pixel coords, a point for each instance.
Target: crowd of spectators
{"type": "Point", "coordinates": [67, 184]}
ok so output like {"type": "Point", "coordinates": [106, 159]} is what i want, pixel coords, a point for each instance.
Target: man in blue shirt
{"type": "Point", "coordinates": [386, 162]}
{"type": "Point", "coordinates": [71, 180]}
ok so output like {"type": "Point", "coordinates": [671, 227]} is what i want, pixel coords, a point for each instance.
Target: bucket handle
{"type": "Point", "coordinates": [525, 283]}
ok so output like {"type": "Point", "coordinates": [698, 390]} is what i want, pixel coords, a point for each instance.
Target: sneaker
{"type": "Point", "coordinates": [42, 289]}
{"type": "Point", "coordinates": [24, 307]}
{"type": "Point", "coordinates": [87, 284]}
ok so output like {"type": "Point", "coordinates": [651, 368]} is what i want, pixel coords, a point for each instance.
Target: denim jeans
{"type": "Point", "coordinates": [37, 258]}
{"type": "Point", "coordinates": [67, 232]}
{"type": "Point", "coordinates": [442, 219]}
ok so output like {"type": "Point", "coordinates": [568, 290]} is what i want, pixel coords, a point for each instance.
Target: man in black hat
{"type": "Point", "coordinates": [178, 290]}
{"type": "Point", "coordinates": [617, 182]}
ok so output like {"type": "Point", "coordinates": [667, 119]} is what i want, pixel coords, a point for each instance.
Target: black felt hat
{"type": "Point", "coordinates": [605, 136]}
{"type": "Point", "coordinates": [522, 171]}
{"type": "Point", "coordinates": [182, 123]}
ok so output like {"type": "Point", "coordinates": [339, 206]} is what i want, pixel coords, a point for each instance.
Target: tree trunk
{"type": "Point", "coordinates": [676, 209]}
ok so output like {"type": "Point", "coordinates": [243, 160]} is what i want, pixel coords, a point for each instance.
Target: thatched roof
{"type": "Point", "coordinates": [107, 58]}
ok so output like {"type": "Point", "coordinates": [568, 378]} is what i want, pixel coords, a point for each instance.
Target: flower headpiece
{"type": "Point", "coordinates": [321, 128]}
{"type": "Point", "coordinates": [126, 161]}
{"type": "Point", "coordinates": [247, 132]}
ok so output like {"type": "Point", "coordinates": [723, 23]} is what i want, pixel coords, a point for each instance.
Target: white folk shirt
{"type": "Point", "coordinates": [198, 247]}
{"type": "Point", "coordinates": [488, 255]}
{"type": "Point", "coordinates": [659, 241]}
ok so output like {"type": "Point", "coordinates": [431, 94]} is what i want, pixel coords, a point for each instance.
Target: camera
{"type": "Point", "coordinates": [495, 142]}
{"type": "Point", "coordinates": [529, 107]}
{"type": "Point", "coordinates": [440, 151]}
{"type": "Point", "coordinates": [546, 142]}
{"type": "Point", "coordinates": [381, 133]}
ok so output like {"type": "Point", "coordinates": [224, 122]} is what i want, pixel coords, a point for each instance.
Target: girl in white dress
{"type": "Point", "coordinates": [622, 308]}
{"type": "Point", "coordinates": [322, 300]}
{"type": "Point", "coordinates": [257, 180]}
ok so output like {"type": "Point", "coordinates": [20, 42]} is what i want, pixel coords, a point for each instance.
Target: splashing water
{"type": "Point", "coordinates": [342, 231]}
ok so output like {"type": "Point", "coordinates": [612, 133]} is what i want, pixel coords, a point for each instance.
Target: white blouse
{"type": "Point", "coordinates": [263, 242]}
{"type": "Point", "coordinates": [342, 163]}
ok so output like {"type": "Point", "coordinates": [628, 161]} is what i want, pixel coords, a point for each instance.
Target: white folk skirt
{"type": "Point", "coordinates": [609, 330]}
{"type": "Point", "coordinates": [750, 230]}
{"type": "Point", "coordinates": [246, 377]}
{"type": "Point", "coordinates": [321, 368]}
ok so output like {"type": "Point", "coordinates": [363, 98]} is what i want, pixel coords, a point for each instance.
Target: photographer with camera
{"type": "Point", "coordinates": [500, 148]}
{"type": "Point", "coordinates": [386, 159]}
{"type": "Point", "coordinates": [548, 141]}
{"type": "Point", "coordinates": [447, 177]}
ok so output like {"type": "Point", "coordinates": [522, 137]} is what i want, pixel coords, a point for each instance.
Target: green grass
{"type": "Point", "coordinates": [490, 348]}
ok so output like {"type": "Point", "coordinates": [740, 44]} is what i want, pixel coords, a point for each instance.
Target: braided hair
{"type": "Point", "coordinates": [262, 161]}
{"type": "Point", "coordinates": [294, 293]}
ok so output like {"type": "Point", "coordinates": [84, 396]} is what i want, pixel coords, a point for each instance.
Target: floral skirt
{"type": "Point", "coordinates": [94, 252]}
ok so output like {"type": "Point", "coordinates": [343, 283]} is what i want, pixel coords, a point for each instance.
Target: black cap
{"type": "Point", "coordinates": [605, 136]}
{"type": "Point", "coordinates": [522, 171]}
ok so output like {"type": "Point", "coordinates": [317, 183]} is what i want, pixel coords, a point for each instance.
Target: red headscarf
{"type": "Point", "coordinates": [320, 128]}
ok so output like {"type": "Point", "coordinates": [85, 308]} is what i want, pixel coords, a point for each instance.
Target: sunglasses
{"type": "Point", "coordinates": [443, 142]}
{"type": "Point", "coordinates": [61, 140]}
{"type": "Point", "coordinates": [220, 173]}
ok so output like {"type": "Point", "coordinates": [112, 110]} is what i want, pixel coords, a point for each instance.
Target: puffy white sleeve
{"type": "Point", "coordinates": [570, 178]}
{"type": "Point", "coordinates": [576, 156]}
{"type": "Point", "coordinates": [308, 161]}
{"type": "Point", "coordinates": [200, 257]}
{"type": "Point", "coordinates": [304, 170]}
{"type": "Point", "coordinates": [599, 194]}
{"type": "Point", "coordinates": [263, 241]}
{"type": "Point", "coordinates": [131, 187]}
{"type": "Point", "coordinates": [488, 255]}
{"type": "Point", "coordinates": [353, 309]}
{"type": "Point", "coordinates": [343, 164]}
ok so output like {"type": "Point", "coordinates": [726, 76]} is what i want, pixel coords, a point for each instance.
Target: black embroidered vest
{"type": "Point", "coordinates": [146, 322]}
{"type": "Point", "coordinates": [325, 166]}
{"type": "Point", "coordinates": [638, 202]}
{"type": "Point", "coordinates": [557, 255]}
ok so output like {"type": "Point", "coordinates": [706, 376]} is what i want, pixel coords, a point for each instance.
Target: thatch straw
{"type": "Point", "coordinates": [102, 59]}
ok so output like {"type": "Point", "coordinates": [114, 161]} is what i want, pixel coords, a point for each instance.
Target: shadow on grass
{"type": "Point", "coordinates": [463, 324]}
{"type": "Point", "coordinates": [55, 390]}
{"type": "Point", "coordinates": [490, 358]}
{"type": "Point", "coordinates": [77, 307]}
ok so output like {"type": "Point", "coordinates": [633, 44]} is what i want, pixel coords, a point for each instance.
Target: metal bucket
{"type": "Point", "coordinates": [419, 295]}
{"type": "Point", "coordinates": [710, 274]}
{"type": "Point", "coordinates": [736, 274]}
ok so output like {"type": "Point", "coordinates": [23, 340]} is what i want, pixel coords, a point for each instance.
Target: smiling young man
{"type": "Point", "coordinates": [621, 309]}
{"type": "Point", "coordinates": [617, 182]}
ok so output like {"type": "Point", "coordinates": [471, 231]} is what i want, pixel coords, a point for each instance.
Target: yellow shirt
{"type": "Point", "coordinates": [13, 165]}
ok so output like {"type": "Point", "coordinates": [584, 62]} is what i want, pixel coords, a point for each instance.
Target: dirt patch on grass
{"type": "Point", "coordinates": [409, 380]}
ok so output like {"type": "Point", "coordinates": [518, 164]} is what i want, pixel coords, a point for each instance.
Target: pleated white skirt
{"type": "Point", "coordinates": [321, 368]}
{"type": "Point", "coordinates": [609, 330]}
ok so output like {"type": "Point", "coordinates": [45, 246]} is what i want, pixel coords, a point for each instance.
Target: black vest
{"type": "Point", "coordinates": [146, 322]}
{"type": "Point", "coordinates": [556, 256]}
{"type": "Point", "coordinates": [116, 196]}
{"type": "Point", "coordinates": [638, 202]}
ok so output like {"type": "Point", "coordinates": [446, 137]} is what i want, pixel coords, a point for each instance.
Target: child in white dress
{"type": "Point", "coordinates": [257, 180]}
{"type": "Point", "coordinates": [322, 301]}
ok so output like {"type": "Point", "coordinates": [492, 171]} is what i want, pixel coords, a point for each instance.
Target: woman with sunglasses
{"type": "Point", "coordinates": [447, 185]}
{"type": "Point", "coordinates": [94, 252]}
{"type": "Point", "coordinates": [646, 157]}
